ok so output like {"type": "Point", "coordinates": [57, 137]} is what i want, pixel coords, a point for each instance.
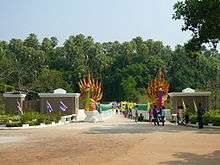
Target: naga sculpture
{"type": "Point", "coordinates": [157, 90]}
{"type": "Point", "coordinates": [91, 92]}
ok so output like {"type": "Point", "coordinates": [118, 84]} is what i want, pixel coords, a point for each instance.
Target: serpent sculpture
{"type": "Point", "coordinates": [91, 92]}
{"type": "Point", "coordinates": [157, 89]}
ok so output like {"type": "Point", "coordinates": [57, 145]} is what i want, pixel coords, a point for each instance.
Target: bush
{"type": "Point", "coordinates": [32, 96]}
{"type": "Point", "coordinates": [3, 119]}
{"type": "Point", "coordinates": [193, 119]}
{"type": "Point", "coordinates": [216, 121]}
{"type": "Point", "coordinates": [14, 124]}
{"type": "Point", "coordinates": [31, 118]}
{"type": "Point", "coordinates": [35, 118]}
{"type": "Point", "coordinates": [28, 117]}
{"type": "Point", "coordinates": [9, 118]}
{"type": "Point", "coordinates": [206, 118]}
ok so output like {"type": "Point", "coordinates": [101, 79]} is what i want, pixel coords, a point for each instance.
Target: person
{"type": "Point", "coordinates": [163, 114]}
{"type": "Point", "coordinates": [177, 116]}
{"type": "Point", "coordinates": [130, 114]}
{"type": "Point", "coordinates": [116, 108]}
{"type": "Point", "coordinates": [155, 115]}
{"type": "Point", "coordinates": [100, 111]}
{"type": "Point", "coordinates": [200, 112]}
{"type": "Point", "coordinates": [150, 116]}
{"type": "Point", "coordinates": [136, 115]}
{"type": "Point", "coordinates": [141, 118]}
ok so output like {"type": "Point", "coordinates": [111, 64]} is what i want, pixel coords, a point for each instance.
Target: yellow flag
{"type": "Point", "coordinates": [184, 106]}
{"type": "Point", "coordinates": [195, 105]}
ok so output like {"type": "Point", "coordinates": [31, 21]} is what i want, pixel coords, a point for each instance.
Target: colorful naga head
{"type": "Point", "coordinates": [157, 90]}
{"type": "Point", "coordinates": [91, 92]}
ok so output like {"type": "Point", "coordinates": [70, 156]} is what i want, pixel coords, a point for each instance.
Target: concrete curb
{"type": "Point", "coordinates": [196, 126]}
{"type": "Point", "coordinates": [204, 126]}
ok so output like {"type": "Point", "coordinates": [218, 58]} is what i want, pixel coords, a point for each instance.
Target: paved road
{"type": "Point", "coordinates": [116, 141]}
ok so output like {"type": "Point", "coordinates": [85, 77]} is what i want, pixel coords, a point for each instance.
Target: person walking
{"type": "Point", "coordinates": [163, 114]}
{"type": "Point", "coordinates": [200, 112]}
{"type": "Point", "coordinates": [136, 115]}
{"type": "Point", "coordinates": [155, 115]}
{"type": "Point", "coordinates": [150, 116]}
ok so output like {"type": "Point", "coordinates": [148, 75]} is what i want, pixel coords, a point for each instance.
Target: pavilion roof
{"type": "Point", "coordinates": [183, 94]}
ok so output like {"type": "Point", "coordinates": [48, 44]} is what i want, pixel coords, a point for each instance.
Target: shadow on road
{"type": "Point", "coordinates": [134, 128]}
{"type": "Point", "coordinates": [194, 159]}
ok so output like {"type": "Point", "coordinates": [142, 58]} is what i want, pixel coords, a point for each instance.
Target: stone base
{"type": "Point", "coordinates": [80, 115]}
{"type": "Point", "coordinates": [92, 116]}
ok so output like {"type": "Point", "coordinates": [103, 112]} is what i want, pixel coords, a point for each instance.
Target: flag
{"type": "Point", "coordinates": [184, 106]}
{"type": "Point", "coordinates": [19, 107]}
{"type": "Point", "coordinates": [49, 107]}
{"type": "Point", "coordinates": [195, 107]}
{"type": "Point", "coordinates": [63, 107]}
{"type": "Point", "coordinates": [148, 106]}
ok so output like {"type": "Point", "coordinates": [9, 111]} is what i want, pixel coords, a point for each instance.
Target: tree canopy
{"type": "Point", "coordinates": [202, 17]}
{"type": "Point", "coordinates": [124, 68]}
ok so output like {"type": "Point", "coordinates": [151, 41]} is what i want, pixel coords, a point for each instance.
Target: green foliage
{"type": "Point", "coordinates": [32, 96]}
{"type": "Point", "coordinates": [209, 117]}
{"type": "Point", "coordinates": [193, 119]}
{"type": "Point", "coordinates": [216, 121]}
{"type": "Point", "coordinates": [8, 118]}
{"type": "Point", "coordinates": [2, 106]}
{"type": "Point", "coordinates": [48, 80]}
{"type": "Point", "coordinates": [35, 118]}
{"type": "Point", "coordinates": [202, 17]}
{"type": "Point", "coordinates": [31, 118]}
{"type": "Point", "coordinates": [42, 67]}
{"type": "Point", "coordinates": [129, 89]}
{"type": "Point", "coordinates": [14, 124]}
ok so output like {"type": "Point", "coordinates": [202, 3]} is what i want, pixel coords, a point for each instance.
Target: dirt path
{"type": "Point", "coordinates": [116, 141]}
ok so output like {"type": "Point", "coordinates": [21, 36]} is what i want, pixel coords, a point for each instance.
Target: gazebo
{"type": "Point", "coordinates": [189, 97]}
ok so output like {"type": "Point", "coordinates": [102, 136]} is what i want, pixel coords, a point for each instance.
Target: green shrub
{"type": "Point", "coordinates": [28, 117]}
{"type": "Point", "coordinates": [3, 119]}
{"type": "Point", "coordinates": [206, 118]}
{"type": "Point", "coordinates": [14, 118]}
{"type": "Point", "coordinates": [216, 120]}
{"type": "Point", "coordinates": [14, 124]}
{"type": "Point", "coordinates": [36, 118]}
{"type": "Point", "coordinates": [33, 122]}
{"type": "Point", "coordinates": [55, 116]}
{"type": "Point", "coordinates": [31, 118]}
{"type": "Point", "coordinates": [193, 119]}
{"type": "Point", "coordinates": [32, 96]}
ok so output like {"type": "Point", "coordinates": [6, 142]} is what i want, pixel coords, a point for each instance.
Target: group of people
{"type": "Point", "coordinates": [157, 115]}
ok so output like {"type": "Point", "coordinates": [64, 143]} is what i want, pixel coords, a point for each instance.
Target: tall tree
{"type": "Point", "coordinates": [202, 17]}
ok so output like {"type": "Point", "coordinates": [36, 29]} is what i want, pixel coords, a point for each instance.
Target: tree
{"type": "Point", "coordinates": [124, 68]}
{"type": "Point", "coordinates": [32, 41]}
{"type": "Point", "coordinates": [130, 92]}
{"type": "Point", "coordinates": [202, 17]}
{"type": "Point", "coordinates": [48, 80]}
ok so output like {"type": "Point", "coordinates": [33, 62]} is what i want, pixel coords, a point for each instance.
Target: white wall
{"type": "Point", "coordinates": [104, 115]}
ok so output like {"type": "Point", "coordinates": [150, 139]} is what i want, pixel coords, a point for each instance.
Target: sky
{"type": "Point", "coordinates": [104, 20]}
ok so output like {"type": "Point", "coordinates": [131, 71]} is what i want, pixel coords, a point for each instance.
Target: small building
{"type": "Point", "coordinates": [189, 97]}
{"type": "Point", "coordinates": [67, 103]}
{"type": "Point", "coordinates": [14, 102]}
